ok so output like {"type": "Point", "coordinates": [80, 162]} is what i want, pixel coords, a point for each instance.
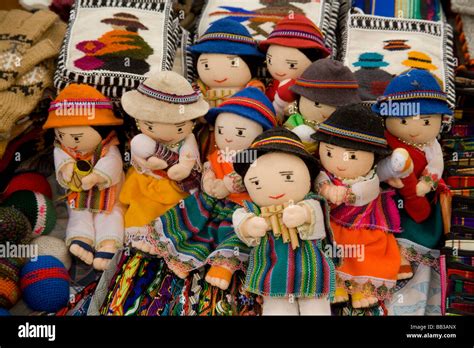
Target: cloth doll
{"type": "Point", "coordinates": [286, 225]}
{"type": "Point", "coordinates": [199, 230]}
{"type": "Point", "coordinates": [165, 156]}
{"type": "Point", "coordinates": [227, 59]}
{"type": "Point", "coordinates": [413, 105]}
{"type": "Point", "coordinates": [363, 218]}
{"type": "Point", "coordinates": [89, 165]}
{"type": "Point", "coordinates": [323, 86]}
{"type": "Point", "coordinates": [291, 47]}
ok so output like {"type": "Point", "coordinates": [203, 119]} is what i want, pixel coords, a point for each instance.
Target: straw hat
{"type": "Point", "coordinates": [166, 97]}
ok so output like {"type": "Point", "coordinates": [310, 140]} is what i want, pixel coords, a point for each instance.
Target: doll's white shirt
{"type": "Point", "coordinates": [188, 150]}
{"type": "Point", "coordinates": [434, 157]}
{"type": "Point", "coordinates": [109, 166]}
{"type": "Point", "coordinates": [61, 158]}
{"type": "Point", "coordinates": [365, 188]}
{"type": "Point", "coordinates": [309, 231]}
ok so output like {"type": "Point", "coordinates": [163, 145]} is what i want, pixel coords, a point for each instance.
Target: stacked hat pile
{"type": "Point", "coordinates": [114, 46]}
{"type": "Point", "coordinates": [29, 44]}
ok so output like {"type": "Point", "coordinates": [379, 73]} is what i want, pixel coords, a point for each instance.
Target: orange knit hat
{"type": "Point", "coordinates": [81, 105]}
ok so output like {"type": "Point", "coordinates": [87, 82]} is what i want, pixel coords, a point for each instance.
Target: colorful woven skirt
{"type": "Point", "coordinates": [371, 260]}
{"type": "Point", "coordinates": [199, 231]}
{"type": "Point", "coordinates": [275, 269]}
{"type": "Point", "coordinates": [427, 233]}
{"type": "Point", "coordinates": [147, 197]}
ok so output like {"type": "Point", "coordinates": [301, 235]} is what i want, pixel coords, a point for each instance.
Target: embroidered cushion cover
{"type": "Point", "coordinates": [115, 44]}
{"type": "Point", "coordinates": [260, 16]}
{"type": "Point", "coordinates": [377, 48]}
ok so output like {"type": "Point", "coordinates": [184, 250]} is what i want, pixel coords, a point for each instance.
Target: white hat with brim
{"type": "Point", "coordinates": [166, 97]}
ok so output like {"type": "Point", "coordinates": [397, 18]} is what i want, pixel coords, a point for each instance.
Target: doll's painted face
{"type": "Point", "coordinates": [223, 70]}
{"type": "Point", "coordinates": [415, 129]}
{"type": "Point", "coordinates": [286, 62]}
{"type": "Point", "coordinates": [235, 133]}
{"type": "Point", "coordinates": [314, 111]}
{"type": "Point", "coordinates": [276, 178]}
{"type": "Point", "coordinates": [166, 133]}
{"type": "Point", "coordinates": [345, 163]}
{"type": "Point", "coordinates": [82, 139]}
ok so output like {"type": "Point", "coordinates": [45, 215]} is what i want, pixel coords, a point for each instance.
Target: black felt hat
{"type": "Point", "coordinates": [275, 140]}
{"type": "Point", "coordinates": [354, 126]}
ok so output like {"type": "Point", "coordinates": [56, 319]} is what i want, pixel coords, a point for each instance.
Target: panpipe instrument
{"type": "Point", "coordinates": [273, 214]}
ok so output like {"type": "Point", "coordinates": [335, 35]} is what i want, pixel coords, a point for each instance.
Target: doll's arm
{"type": "Point", "coordinates": [64, 165]}
{"type": "Point", "coordinates": [334, 194]}
{"type": "Point", "coordinates": [248, 227]}
{"type": "Point", "coordinates": [109, 168]}
{"type": "Point", "coordinates": [188, 157]}
{"type": "Point", "coordinates": [364, 192]}
{"type": "Point", "coordinates": [314, 228]}
{"type": "Point", "coordinates": [142, 149]}
{"type": "Point", "coordinates": [396, 166]}
{"type": "Point", "coordinates": [208, 178]}
{"type": "Point", "coordinates": [434, 170]}
{"type": "Point", "coordinates": [233, 183]}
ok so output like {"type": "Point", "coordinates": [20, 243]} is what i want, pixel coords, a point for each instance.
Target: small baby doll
{"type": "Point", "coordinates": [286, 227]}
{"type": "Point", "coordinates": [323, 86]}
{"type": "Point", "coordinates": [227, 59]}
{"type": "Point", "coordinates": [291, 47]}
{"type": "Point", "coordinates": [89, 165]}
{"type": "Point", "coordinates": [165, 156]}
{"type": "Point", "coordinates": [199, 230]}
{"type": "Point", "coordinates": [363, 218]}
{"type": "Point", "coordinates": [413, 105]}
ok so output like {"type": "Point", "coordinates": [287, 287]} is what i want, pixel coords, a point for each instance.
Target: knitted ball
{"type": "Point", "coordinates": [28, 181]}
{"type": "Point", "coordinates": [14, 225]}
{"type": "Point", "coordinates": [48, 245]}
{"type": "Point", "coordinates": [4, 312]}
{"type": "Point", "coordinates": [45, 284]}
{"type": "Point", "coordinates": [38, 208]}
{"type": "Point", "coordinates": [9, 292]}
{"type": "Point", "coordinates": [10, 268]}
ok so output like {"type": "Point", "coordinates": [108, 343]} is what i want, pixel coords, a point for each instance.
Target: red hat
{"type": "Point", "coordinates": [30, 182]}
{"type": "Point", "coordinates": [296, 31]}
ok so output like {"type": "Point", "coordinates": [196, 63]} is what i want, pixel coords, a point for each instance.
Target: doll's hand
{"type": "Point", "coordinates": [294, 216]}
{"type": "Point", "coordinates": [395, 182]}
{"type": "Point", "coordinates": [219, 190]}
{"type": "Point", "coordinates": [255, 227]}
{"type": "Point", "coordinates": [91, 180]}
{"type": "Point", "coordinates": [422, 188]}
{"type": "Point", "coordinates": [336, 194]}
{"type": "Point", "coordinates": [66, 172]}
{"type": "Point", "coordinates": [155, 163]}
{"type": "Point", "coordinates": [178, 172]}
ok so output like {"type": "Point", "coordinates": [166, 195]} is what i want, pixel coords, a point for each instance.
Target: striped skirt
{"type": "Point", "coordinates": [275, 269]}
{"type": "Point", "coordinates": [197, 231]}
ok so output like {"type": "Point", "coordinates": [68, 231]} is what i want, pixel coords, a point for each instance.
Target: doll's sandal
{"type": "Point", "coordinates": [102, 260]}
{"type": "Point", "coordinates": [219, 276]}
{"type": "Point", "coordinates": [82, 250]}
